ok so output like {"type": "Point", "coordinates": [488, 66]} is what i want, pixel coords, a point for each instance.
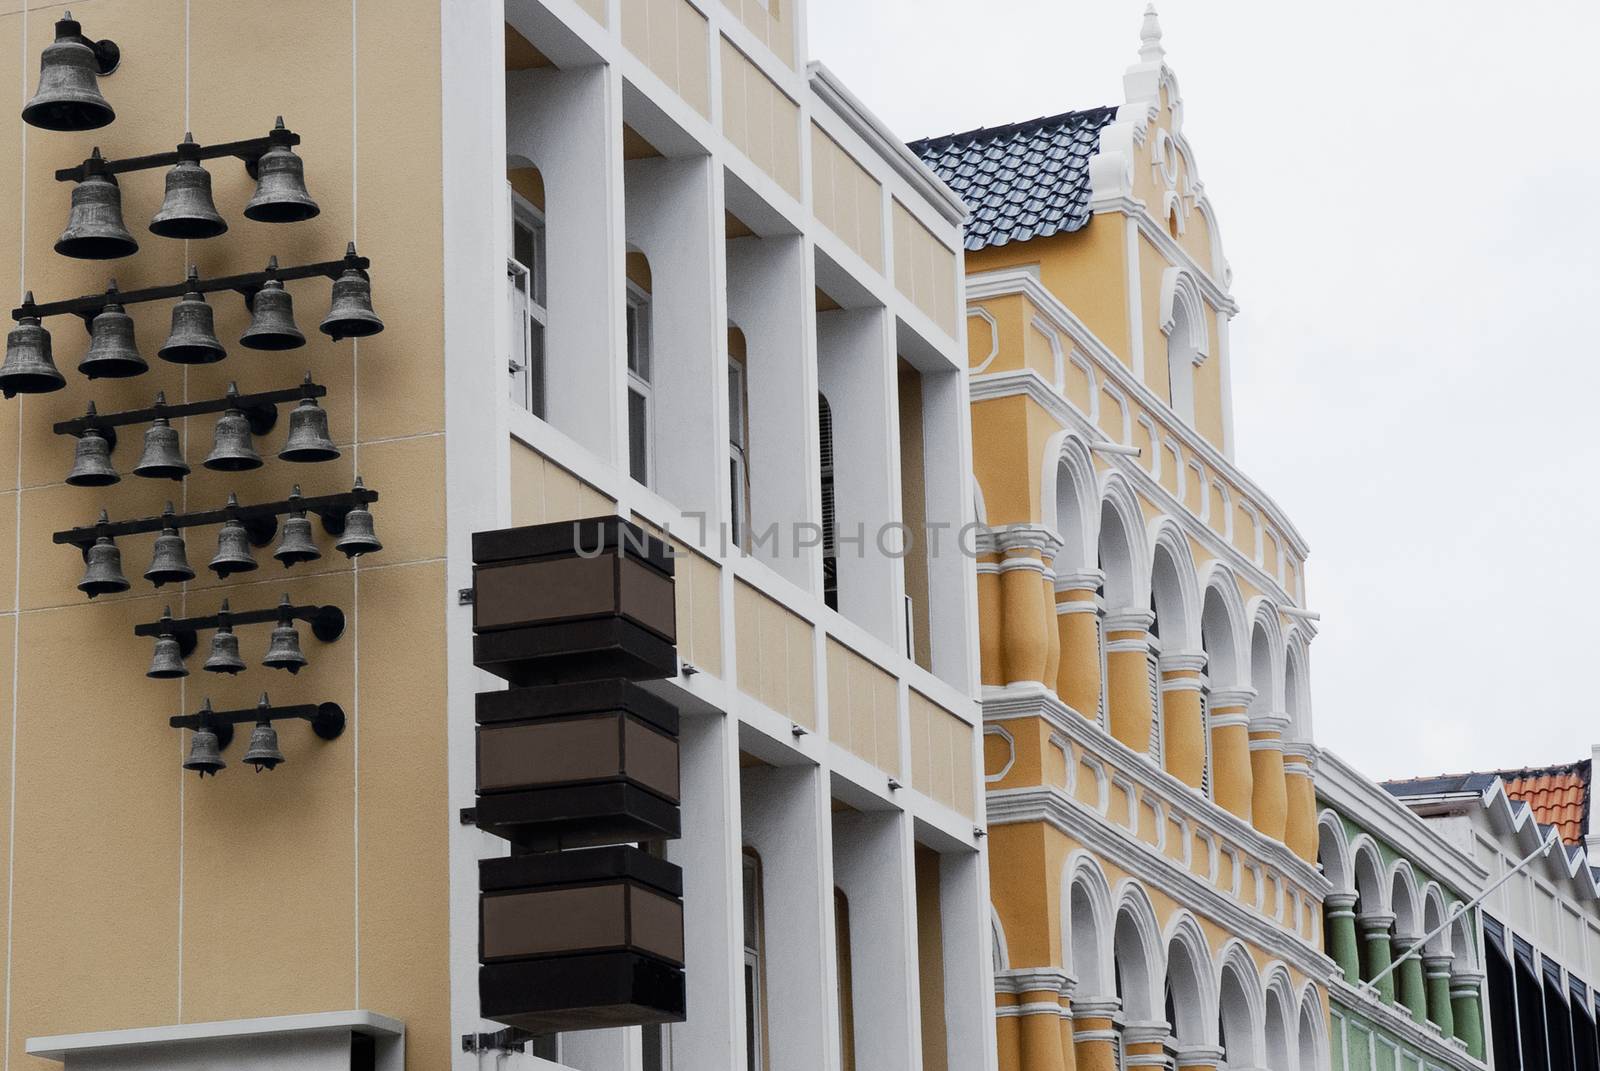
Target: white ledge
{"type": "Point", "coordinates": [60, 1046]}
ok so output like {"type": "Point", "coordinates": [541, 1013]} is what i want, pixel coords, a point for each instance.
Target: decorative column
{"type": "Point", "coordinates": [1148, 1045]}
{"type": "Point", "coordinates": [1299, 777]}
{"type": "Point", "coordinates": [1376, 952]}
{"type": "Point", "coordinates": [1096, 1032]}
{"type": "Point", "coordinates": [990, 609]}
{"type": "Point", "coordinates": [1047, 621]}
{"type": "Point", "coordinates": [1007, 1026]}
{"type": "Point", "coordinates": [1200, 1058]}
{"type": "Point", "coordinates": [1466, 988]}
{"type": "Point", "coordinates": [1437, 969]}
{"type": "Point", "coordinates": [1078, 629]}
{"type": "Point", "coordinates": [1069, 1055]}
{"type": "Point", "coordinates": [1232, 779]}
{"type": "Point", "coordinates": [1339, 917]}
{"type": "Point", "coordinates": [1128, 676]}
{"type": "Point", "coordinates": [1025, 634]}
{"type": "Point", "coordinates": [1183, 719]}
{"type": "Point", "coordinates": [1038, 991]}
{"type": "Point", "coordinates": [1413, 991]}
{"type": "Point", "coordinates": [1269, 793]}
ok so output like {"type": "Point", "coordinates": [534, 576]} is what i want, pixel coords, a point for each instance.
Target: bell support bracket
{"type": "Point", "coordinates": [89, 306]}
{"type": "Point", "coordinates": [261, 409]}
{"type": "Point", "coordinates": [250, 151]}
{"type": "Point", "coordinates": [327, 623]}
{"type": "Point", "coordinates": [327, 719]}
{"type": "Point", "coordinates": [261, 521]}
{"type": "Point", "coordinates": [107, 54]}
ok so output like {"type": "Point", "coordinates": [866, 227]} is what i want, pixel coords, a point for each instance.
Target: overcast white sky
{"type": "Point", "coordinates": [1404, 192]}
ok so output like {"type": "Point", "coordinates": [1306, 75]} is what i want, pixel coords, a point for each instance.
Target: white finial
{"type": "Point", "coordinates": [1150, 50]}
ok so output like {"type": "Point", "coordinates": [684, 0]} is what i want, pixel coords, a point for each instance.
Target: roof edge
{"type": "Point", "coordinates": [906, 164]}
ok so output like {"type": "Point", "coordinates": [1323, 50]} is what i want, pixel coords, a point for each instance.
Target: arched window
{"type": "Point", "coordinates": [525, 279]}
{"type": "Point", "coordinates": [1180, 364]}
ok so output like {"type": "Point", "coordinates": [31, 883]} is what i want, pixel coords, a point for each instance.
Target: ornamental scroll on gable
{"type": "Point", "coordinates": [1144, 161]}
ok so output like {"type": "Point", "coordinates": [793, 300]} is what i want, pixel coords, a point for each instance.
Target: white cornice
{"type": "Point", "coordinates": [994, 284]}
{"type": "Point", "coordinates": [891, 149]}
{"type": "Point", "coordinates": [1370, 806]}
{"type": "Point", "coordinates": [1002, 706]}
{"type": "Point", "coordinates": [1144, 862]}
{"type": "Point", "coordinates": [1399, 1024]}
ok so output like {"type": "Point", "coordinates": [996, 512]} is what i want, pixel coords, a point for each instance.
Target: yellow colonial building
{"type": "Point", "coordinates": [1147, 733]}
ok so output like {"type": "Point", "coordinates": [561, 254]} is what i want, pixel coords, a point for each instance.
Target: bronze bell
{"type": "Point", "coordinates": [205, 755]}
{"type": "Point", "coordinates": [296, 545]}
{"type": "Point", "coordinates": [272, 318]}
{"type": "Point", "coordinates": [263, 752]}
{"type": "Point", "coordinates": [283, 652]}
{"type": "Point", "coordinates": [163, 457]}
{"type": "Point", "coordinates": [29, 367]}
{"type": "Point", "coordinates": [308, 439]}
{"type": "Point", "coordinates": [167, 664]}
{"type": "Point", "coordinates": [113, 353]}
{"type": "Point", "coordinates": [351, 315]}
{"type": "Point", "coordinates": [94, 225]}
{"type": "Point", "coordinates": [68, 97]}
{"type": "Point", "coordinates": [187, 211]}
{"type": "Point", "coordinates": [281, 195]}
{"type": "Point", "coordinates": [233, 450]}
{"type": "Point", "coordinates": [224, 657]}
{"type": "Point", "coordinates": [233, 548]}
{"type": "Point", "coordinates": [91, 460]}
{"type": "Point", "coordinates": [193, 339]}
{"type": "Point", "coordinates": [169, 564]}
{"type": "Point", "coordinates": [103, 576]}
{"type": "Point", "coordinates": [358, 537]}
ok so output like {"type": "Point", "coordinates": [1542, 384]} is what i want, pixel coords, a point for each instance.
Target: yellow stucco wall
{"type": "Point", "coordinates": [140, 896]}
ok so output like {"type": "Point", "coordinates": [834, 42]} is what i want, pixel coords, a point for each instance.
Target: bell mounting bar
{"type": "Point", "coordinates": [261, 520]}
{"type": "Point", "coordinates": [250, 150]}
{"type": "Point", "coordinates": [261, 408]}
{"type": "Point", "coordinates": [90, 305]}
{"type": "Point", "coordinates": [327, 622]}
{"type": "Point", "coordinates": [327, 719]}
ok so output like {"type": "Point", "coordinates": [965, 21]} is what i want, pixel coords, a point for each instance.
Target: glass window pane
{"type": "Point", "coordinates": [535, 371]}
{"type": "Point", "coordinates": [638, 433]}
{"type": "Point", "coordinates": [522, 243]}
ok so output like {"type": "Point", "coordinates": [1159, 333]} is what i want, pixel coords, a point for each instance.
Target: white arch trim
{"type": "Point", "coordinates": [1340, 870]}
{"type": "Point", "coordinates": [1067, 450]}
{"type": "Point", "coordinates": [1181, 301]}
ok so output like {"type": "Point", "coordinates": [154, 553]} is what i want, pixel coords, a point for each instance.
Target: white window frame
{"type": "Point", "coordinates": [528, 305]}
{"type": "Point", "coordinates": [751, 879]}
{"type": "Point", "coordinates": [738, 453]}
{"type": "Point", "coordinates": [639, 308]}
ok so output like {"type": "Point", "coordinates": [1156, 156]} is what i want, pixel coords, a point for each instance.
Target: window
{"type": "Point", "coordinates": [830, 548]}
{"type": "Point", "coordinates": [755, 998]}
{"type": "Point", "coordinates": [640, 417]}
{"type": "Point", "coordinates": [525, 276]}
{"type": "Point", "coordinates": [738, 447]}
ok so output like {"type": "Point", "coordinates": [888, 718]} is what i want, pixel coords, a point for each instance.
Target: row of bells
{"type": "Point", "coordinates": [169, 563]}
{"type": "Point", "coordinates": [283, 649]}
{"type": "Point", "coordinates": [95, 230]}
{"type": "Point", "coordinates": [232, 450]}
{"type": "Point", "coordinates": [30, 367]}
{"type": "Point", "coordinates": [205, 750]}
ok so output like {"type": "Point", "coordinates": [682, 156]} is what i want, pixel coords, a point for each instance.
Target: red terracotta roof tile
{"type": "Point", "coordinates": [1557, 795]}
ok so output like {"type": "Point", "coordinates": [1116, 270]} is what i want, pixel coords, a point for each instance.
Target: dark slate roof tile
{"type": "Point", "coordinates": [1020, 181]}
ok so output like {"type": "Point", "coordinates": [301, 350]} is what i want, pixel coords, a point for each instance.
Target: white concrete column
{"type": "Point", "coordinates": [784, 824]}
{"type": "Point", "coordinates": [566, 123]}
{"type": "Point", "coordinates": [710, 854]}
{"type": "Point", "coordinates": [872, 856]}
{"type": "Point", "coordinates": [669, 221]}
{"type": "Point", "coordinates": [855, 373]}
